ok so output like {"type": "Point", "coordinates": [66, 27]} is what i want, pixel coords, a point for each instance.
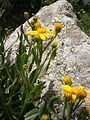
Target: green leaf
{"type": "Point", "coordinates": [11, 86]}
{"type": "Point", "coordinates": [51, 103]}
{"type": "Point", "coordinates": [41, 108]}
{"type": "Point", "coordinates": [31, 115]}
{"type": "Point", "coordinates": [19, 65]}
{"type": "Point", "coordinates": [53, 54]}
{"type": "Point", "coordinates": [34, 94]}
{"type": "Point", "coordinates": [24, 58]}
{"type": "Point", "coordinates": [35, 55]}
{"type": "Point", "coordinates": [32, 76]}
{"type": "Point", "coordinates": [30, 62]}
{"type": "Point", "coordinates": [22, 48]}
{"type": "Point", "coordinates": [44, 69]}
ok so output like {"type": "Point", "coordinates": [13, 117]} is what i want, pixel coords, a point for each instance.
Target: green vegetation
{"type": "Point", "coordinates": [20, 82]}
{"type": "Point", "coordinates": [83, 13]}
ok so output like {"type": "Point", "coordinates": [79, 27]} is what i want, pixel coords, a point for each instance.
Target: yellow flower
{"type": "Point", "coordinates": [67, 95]}
{"type": "Point", "coordinates": [44, 117]}
{"type": "Point", "coordinates": [82, 93]}
{"type": "Point", "coordinates": [26, 15]}
{"type": "Point", "coordinates": [58, 26]}
{"type": "Point", "coordinates": [42, 32]}
{"type": "Point", "coordinates": [85, 100]}
{"type": "Point", "coordinates": [66, 88]}
{"type": "Point", "coordinates": [67, 80]}
{"type": "Point", "coordinates": [75, 90]}
{"type": "Point", "coordinates": [74, 97]}
{"type": "Point", "coordinates": [54, 45]}
{"type": "Point", "coordinates": [80, 87]}
{"type": "Point", "coordinates": [37, 25]}
{"type": "Point", "coordinates": [37, 36]}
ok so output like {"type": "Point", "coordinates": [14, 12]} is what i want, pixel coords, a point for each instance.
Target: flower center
{"type": "Point", "coordinates": [42, 30]}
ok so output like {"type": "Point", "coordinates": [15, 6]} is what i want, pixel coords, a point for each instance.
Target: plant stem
{"type": "Point", "coordinates": [40, 68]}
{"type": "Point", "coordinates": [68, 112]}
{"type": "Point", "coordinates": [64, 109]}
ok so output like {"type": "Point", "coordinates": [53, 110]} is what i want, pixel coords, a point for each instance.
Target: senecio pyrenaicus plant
{"type": "Point", "coordinates": [20, 84]}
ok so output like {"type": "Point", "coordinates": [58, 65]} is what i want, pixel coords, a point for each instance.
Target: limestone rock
{"type": "Point", "coordinates": [76, 63]}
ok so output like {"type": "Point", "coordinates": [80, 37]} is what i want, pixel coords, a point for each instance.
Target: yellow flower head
{"type": "Point", "coordinates": [67, 95]}
{"type": "Point", "coordinates": [44, 117]}
{"type": "Point", "coordinates": [66, 88]}
{"type": "Point", "coordinates": [26, 15]}
{"type": "Point", "coordinates": [37, 25]}
{"type": "Point", "coordinates": [82, 93]}
{"type": "Point", "coordinates": [54, 45]}
{"type": "Point", "coordinates": [40, 32]}
{"type": "Point", "coordinates": [67, 80]}
{"type": "Point", "coordinates": [58, 26]}
{"type": "Point", "coordinates": [75, 90]}
{"type": "Point", "coordinates": [37, 36]}
{"type": "Point", "coordinates": [85, 100]}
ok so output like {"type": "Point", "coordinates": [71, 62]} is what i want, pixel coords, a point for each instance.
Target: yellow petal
{"type": "Point", "coordinates": [31, 32]}
{"type": "Point", "coordinates": [66, 88]}
{"type": "Point", "coordinates": [51, 33]}
{"type": "Point", "coordinates": [74, 97]}
{"type": "Point", "coordinates": [46, 35]}
{"type": "Point", "coordinates": [80, 87]}
{"type": "Point", "coordinates": [42, 36]}
{"type": "Point", "coordinates": [87, 91]}
{"type": "Point", "coordinates": [85, 100]}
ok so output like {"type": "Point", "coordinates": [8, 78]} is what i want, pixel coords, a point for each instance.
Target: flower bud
{"type": "Point", "coordinates": [67, 80]}
{"type": "Point", "coordinates": [25, 66]}
{"type": "Point", "coordinates": [35, 18]}
{"type": "Point", "coordinates": [26, 15]}
{"type": "Point", "coordinates": [37, 25]}
{"type": "Point", "coordinates": [58, 27]}
{"type": "Point", "coordinates": [54, 45]}
{"type": "Point", "coordinates": [44, 117]}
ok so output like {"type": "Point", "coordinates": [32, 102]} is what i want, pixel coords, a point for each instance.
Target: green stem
{"type": "Point", "coordinates": [68, 111]}
{"type": "Point", "coordinates": [48, 44]}
{"type": "Point", "coordinates": [64, 109]}
{"type": "Point", "coordinates": [40, 68]}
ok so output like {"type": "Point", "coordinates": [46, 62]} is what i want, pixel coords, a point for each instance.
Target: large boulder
{"type": "Point", "coordinates": [73, 53]}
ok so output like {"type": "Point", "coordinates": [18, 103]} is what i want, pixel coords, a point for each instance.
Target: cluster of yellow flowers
{"type": "Point", "coordinates": [74, 93]}
{"type": "Point", "coordinates": [42, 33]}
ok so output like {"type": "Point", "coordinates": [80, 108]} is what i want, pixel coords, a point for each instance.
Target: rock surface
{"type": "Point", "coordinates": [73, 54]}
